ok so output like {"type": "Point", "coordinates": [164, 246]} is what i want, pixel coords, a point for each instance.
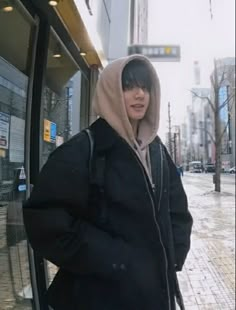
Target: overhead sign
{"type": "Point", "coordinates": [50, 130]}
{"type": "Point", "coordinates": [157, 52]}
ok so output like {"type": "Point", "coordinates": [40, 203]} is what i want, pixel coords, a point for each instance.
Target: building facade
{"type": "Point", "coordinates": [198, 137]}
{"type": "Point", "coordinates": [119, 29]}
{"type": "Point", "coordinates": [139, 22]}
{"type": "Point", "coordinates": [132, 30]}
{"type": "Point", "coordinates": [226, 95]}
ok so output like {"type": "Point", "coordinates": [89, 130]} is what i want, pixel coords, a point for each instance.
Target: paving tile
{"type": "Point", "coordinates": [208, 277]}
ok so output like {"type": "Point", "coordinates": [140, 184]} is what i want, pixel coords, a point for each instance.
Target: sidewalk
{"type": "Point", "coordinates": [208, 277]}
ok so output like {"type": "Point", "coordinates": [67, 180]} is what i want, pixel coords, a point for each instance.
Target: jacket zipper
{"type": "Point", "coordinates": [146, 178]}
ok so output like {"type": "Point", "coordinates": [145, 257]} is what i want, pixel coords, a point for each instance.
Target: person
{"type": "Point", "coordinates": [180, 170]}
{"type": "Point", "coordinates": [122, 251]}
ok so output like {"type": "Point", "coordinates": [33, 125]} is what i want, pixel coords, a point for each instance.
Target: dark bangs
{"type": "Point", "coordinates": [136, 74]}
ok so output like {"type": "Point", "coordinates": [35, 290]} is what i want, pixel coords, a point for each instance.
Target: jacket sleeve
{"type": "Point", "coordinates": [181, 218]}
{"type": "Point", "coordinates": [55, 223]}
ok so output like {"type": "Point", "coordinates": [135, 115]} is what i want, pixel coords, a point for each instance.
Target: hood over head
{"type": "Point", "coordinates": [109, 104]}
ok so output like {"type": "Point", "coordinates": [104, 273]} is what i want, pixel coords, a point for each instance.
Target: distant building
{"type": "Point", "coordinates": [226, 76]}
{"type": "Point", "coordinates": [198, 136]}
{"type": "Point", "coordinates": [132, 30]}
{"type": "Point", "coordinates": [198, 141]}
{"type": "Point", "coordinates": [119, 35]}
{"type": "Point", "coordinates": [184, 143]}
{"type": "Point", "coordinates": [196, 72]}
{"type": "Point", "coordinates": [173, 143]}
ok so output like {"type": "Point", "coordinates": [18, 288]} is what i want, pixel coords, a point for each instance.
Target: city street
{"type": "Point", "coordinates": [208, 278]}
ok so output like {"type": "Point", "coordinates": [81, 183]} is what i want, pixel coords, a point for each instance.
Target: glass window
{"type": "Point", "coordinates": [15, 34]}
{"type": "Point", "coordinates": [60, 98]}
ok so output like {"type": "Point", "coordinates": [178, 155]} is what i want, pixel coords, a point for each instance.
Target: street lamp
{"type": "Point", "coordinates": [6, 6]}
{"type": "Point", "coordinates": [53, 2]}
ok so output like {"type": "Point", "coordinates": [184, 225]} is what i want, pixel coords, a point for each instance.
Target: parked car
{"type": "Point", "coordinates": [195, 167]}
{"type": "Point", "coordinates": [232, 170]}
{"type": "Point", "coordinates": [209, 168]}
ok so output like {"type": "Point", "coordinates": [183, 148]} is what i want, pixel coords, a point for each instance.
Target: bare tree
{"type": "Point", "coordinates": [222, 76]}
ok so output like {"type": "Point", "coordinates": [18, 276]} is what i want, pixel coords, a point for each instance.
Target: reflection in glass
{"type": "Point", "coordinates": [58, 99]}
{"type": "Point", "coordinates": [15, 292]}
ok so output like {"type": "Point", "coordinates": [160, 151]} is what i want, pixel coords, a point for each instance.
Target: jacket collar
{"type": "Point", "coordinates": [106, 136]}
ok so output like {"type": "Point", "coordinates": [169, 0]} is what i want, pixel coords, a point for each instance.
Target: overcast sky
{"type": "Point", "coordinates": [188, 23]}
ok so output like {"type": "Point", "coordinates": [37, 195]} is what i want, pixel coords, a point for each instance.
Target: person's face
{"type": "Point", "coordinates": [136, 102]}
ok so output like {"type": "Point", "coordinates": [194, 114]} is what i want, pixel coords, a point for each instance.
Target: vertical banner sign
{"type": "Point", "coordinates": [4, 130]}
{"type": "Point", "coordinates": [17, 136]}
{"type": "Point", "coordinates": [50, 131]}
{"type": "Point", "coordinates": [46, 130]}
{"type": "Point", "coordinates": [53, 132]}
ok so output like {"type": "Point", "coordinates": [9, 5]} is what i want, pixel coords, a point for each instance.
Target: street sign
{"type": "Point", "coordinates": [53, 132]}
{"type": "Point", "coordinates": [46, 131]}
{"type": "Point", "coordinates": [4, 130]}
{"type": "Point", "coordinates": [50, 131]}
{"type": "Point", "coordinates": [157, 52]}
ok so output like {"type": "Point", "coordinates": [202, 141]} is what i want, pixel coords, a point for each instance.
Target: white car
{"type": "Point", "coordinates": [232, 170]}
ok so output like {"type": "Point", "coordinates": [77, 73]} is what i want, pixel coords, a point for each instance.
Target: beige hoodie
{"type": "Point", "coordinates": [108, 103]}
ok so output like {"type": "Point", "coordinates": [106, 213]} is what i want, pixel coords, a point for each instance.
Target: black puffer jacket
{"type": "Point", "coordinates": [124, 260]}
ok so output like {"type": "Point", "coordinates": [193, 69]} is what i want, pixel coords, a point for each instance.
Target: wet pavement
{"type": "Point", "coordinates": [208, 278]}
{"type": "Point", "coordinates": [14, 268]}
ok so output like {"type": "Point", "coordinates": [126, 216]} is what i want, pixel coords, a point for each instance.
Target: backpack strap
{"type": "Point", "coordinates": [97, 166]}
{"type": "Point", "coordinates": [91, 150]}
{"type": "Point", "coordinates": [96, 163]}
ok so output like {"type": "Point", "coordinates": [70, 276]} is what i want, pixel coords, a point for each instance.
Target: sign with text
{"type": "Point", "coordinates": [17, 139]}
{"type": "Point", "coordinates": [4, 130]}
{"type": "Point", "coordinates": [49, 132]}
{"type": "Point", "coordinates": [46, 131]}
{"type": "Point", "coordinates": [156, 52]}
{"type": "Point", "coordinates": [53, 132]}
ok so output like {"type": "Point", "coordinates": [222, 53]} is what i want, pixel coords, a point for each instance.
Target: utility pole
{"type": "Point", "coordinates": [169, 131]}
{"type": "Point", "coordinates": [175, 148]}
{"type": "Point", "coordinates": [211, 12]}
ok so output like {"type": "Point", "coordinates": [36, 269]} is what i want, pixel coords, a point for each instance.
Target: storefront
{"type": "Point", "coordinates": [45, 92]}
